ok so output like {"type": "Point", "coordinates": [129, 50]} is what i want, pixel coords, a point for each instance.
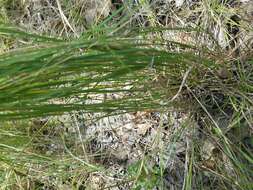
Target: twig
{"type": "Point", "coordinates": [64, 18]}
{"type": "Point", "coordinates": [182, 84]}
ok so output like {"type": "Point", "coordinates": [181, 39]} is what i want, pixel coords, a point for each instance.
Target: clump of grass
{"type": "Point", "coordinates": [50, 72]}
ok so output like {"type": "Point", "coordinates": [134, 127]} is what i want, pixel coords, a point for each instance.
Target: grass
{"type": "Point", "coordinates": [47, 76]}
{"type": "Point", "coordinates": [81, 68]}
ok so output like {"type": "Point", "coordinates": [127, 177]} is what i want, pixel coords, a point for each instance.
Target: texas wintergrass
{"type": "Point", "coordinates": [35, 79]}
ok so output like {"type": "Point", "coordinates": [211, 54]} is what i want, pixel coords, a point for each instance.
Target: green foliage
{"type": "Point", "coordinates": [144, 175]}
